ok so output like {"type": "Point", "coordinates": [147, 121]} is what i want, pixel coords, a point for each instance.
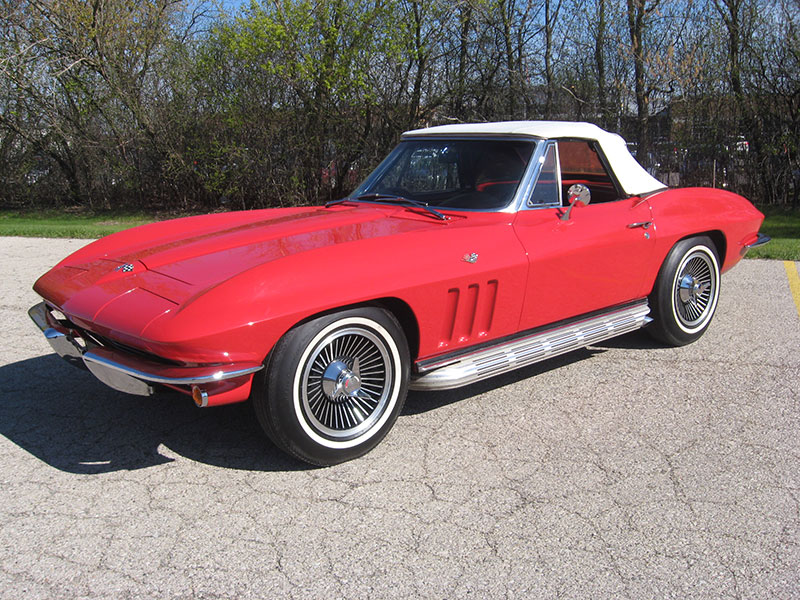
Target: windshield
{"type": "Point", "coordinates": [451, 174]}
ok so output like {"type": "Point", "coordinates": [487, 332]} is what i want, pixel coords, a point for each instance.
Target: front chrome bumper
{"type": "Point", "coordinates": [124, 372]}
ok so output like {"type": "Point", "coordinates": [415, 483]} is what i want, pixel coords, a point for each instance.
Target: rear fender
{"type": "Point", "coordinates": [728, 219]}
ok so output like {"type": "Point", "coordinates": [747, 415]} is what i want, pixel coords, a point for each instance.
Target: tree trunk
{"type": "Point", "coordinates": [600, 63]}
{"type": "Point", "coordinates": [636, 26]}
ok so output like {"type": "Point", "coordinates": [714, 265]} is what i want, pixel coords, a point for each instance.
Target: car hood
{"type": "Point", "coordinates": [214, 255]}
{"type": "Point", "coordinates": [138, 275]}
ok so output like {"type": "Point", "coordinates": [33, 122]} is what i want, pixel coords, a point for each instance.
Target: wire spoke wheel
{"type": "Point", "coordinates": [334, 385]}
{"type": "Point", "coordinates": [695, 289]}
{"type": "Point", "coordinates": [346, 383]}
{"type": "Point", "coordinates": [685, 294]}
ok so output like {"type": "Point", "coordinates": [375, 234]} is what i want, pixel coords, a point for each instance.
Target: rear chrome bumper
{"type": "Point", "coordinates": [761, 239]}
{"type": "Point", "coordinates": [128, 373]}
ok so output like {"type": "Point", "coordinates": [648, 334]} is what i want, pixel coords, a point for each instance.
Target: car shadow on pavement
{"type": "Point", "coordinates": [636, 340]}
{"type": "Point", "coordinates": [72, 422]}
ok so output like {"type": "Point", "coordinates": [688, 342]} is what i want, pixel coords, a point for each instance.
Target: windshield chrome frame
{"type": "Point", "coordinates": [535, 171]}
{"type": "Point", "coordinates": [524, 188]}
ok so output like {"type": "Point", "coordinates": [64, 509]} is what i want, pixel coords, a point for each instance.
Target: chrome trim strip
{"type": "Point", "coordinates": [193, 376]}
{"type": "Point", "coordinates": [495, 360]}
{"type": "Point", "coordinates": [61, 339]}
{"type": "Point", "coordinates": [760, 241]}
{"type": "Point", "coordinates": [38, 313]}
{"type": "Point", "coordinates": [129, 374]}
{"type": "Point", "coordinates": [528, 181]}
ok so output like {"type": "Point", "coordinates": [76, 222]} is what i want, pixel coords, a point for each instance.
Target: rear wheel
{"type": "Point", "coordinates": [334, 386]}
{"type": "Point", "coordinates": [686, 292]}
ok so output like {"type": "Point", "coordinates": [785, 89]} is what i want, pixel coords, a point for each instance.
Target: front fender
{"type": "Point", "coordinates": [455, 302]}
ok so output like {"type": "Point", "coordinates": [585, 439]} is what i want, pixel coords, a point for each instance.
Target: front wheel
{"type": "Point", "coordinates": [334, 385]}
{"type": "Point", "coordinates": [686, 292]}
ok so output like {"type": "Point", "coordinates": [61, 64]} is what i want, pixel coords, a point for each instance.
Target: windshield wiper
{"type": "Point", "coordinates": [339, 201]}
{"type": "Point", "coordinates": [390, 198]}
{"type": "Point", "coordinates": [402, 200]}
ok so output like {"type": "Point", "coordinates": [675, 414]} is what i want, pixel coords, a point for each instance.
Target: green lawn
{"type": "Point", "coordinates": [56, 224]}
{"type": "Point", "coordinates": [783, 228]}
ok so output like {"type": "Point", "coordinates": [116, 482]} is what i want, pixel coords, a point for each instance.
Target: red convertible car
{"type": "Point", "coordinates": [470, 251]}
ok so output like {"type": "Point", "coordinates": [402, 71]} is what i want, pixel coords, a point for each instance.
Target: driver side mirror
{"type": "Point", "coordinates": [578, 195]}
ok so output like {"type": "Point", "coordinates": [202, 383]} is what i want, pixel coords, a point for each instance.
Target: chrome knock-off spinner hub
{"type": "Point", "coordinates": [689, 289]}
{"type": "Point", "coordinates": [346, 383]}
{"type": "Point", "coordinates": [340, 382]}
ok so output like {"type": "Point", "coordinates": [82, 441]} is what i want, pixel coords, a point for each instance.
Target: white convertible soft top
{"type": "Point", "coordinates": [634, 180]}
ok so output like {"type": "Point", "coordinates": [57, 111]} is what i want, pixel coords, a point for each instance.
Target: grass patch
{"type": "Point", "coordinates": [784, 229]}
{"type": "Point", "coordinates": [59, 224]}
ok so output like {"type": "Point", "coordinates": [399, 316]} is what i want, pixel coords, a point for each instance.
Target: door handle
{"type": "Point", "coordinates": [642, 224]}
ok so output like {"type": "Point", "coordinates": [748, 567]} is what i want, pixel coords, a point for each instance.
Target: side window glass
{"type": "Point", "coordinates": [546, 190]}
{"type": "Point", "coordinates": [580, 163]}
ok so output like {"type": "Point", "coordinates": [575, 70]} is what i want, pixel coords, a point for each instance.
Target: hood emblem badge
{"type": "Point", "coordinates": [126, 268]}
{"type": "Point", "coordinates": [471, 258]}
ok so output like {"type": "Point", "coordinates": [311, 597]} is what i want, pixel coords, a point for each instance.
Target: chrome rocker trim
{"type": "Point", "coordinates": [520, 352]}
{"type": "Point", "coordinates": [127, 373]}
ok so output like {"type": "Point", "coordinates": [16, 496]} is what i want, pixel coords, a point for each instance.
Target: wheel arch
{"type": "Point", "coordinates": [715, 235]}
{"type": "Point", "coordinates": [717, 238]}
{"type": "Point", "coordinates": [397, 307]}
{"type": "Point", "coordinates": [408, 321]}
{"type": "Point", "coordinates": [720, 243]}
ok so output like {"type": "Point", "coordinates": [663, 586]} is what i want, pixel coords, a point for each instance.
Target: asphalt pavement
{"type": "Point", "coordinates": [626, 470]}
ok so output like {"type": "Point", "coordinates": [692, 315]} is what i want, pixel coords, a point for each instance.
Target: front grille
{"type": "Point", "coordinates": [109, 343]}
{"type": "Point", "coordinates": [92, 338]}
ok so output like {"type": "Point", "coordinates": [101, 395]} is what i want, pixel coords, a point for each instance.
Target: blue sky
{"type": "Point", "coordinates": [233, 5]}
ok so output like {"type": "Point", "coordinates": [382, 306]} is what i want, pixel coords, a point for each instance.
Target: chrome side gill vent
{"type": "Point", "coordinates": [521, 352]}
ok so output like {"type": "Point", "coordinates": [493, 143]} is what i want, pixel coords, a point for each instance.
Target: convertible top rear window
{"type": "Point", "coordinates": [452, 174]}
